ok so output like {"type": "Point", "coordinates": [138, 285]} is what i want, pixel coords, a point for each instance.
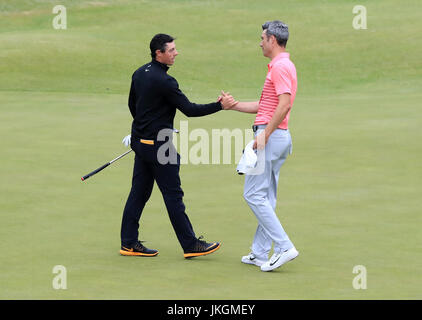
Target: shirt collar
{"type": "Point", "coordinates": [161, 65]}
{"type": "Point", "coordinates": [281, 55]}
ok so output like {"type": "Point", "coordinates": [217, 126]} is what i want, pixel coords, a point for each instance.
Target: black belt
{"type": "Point", "coordinates": [259, 126]}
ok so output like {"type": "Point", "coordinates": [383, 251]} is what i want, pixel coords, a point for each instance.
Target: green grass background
{"type": "Point", "coordinates": [349, 194]}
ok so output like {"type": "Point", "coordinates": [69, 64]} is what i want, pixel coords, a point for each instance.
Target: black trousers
{"type": "Point", "coordinates": [146, 170]}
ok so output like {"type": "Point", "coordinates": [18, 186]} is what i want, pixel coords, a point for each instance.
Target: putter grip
{"type": "Point", "coordinates": [95, 171]}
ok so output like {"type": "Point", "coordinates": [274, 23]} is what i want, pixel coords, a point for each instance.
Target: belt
{"type": "Point", "coordinates": [151, 141]}
{"type": "Point", "coordinates": [255, 127]}
{"type": "Point", "coordinates": [145, 141]}
{"type": "Point", "coordinates": [259, 126]}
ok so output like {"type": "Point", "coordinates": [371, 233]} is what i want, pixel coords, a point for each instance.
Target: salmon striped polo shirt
{"type": "Point", "coordinates": [281, 78]}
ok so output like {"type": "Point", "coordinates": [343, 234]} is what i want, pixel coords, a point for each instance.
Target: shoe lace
{"type": "Point", "coordinates": [200, 243]}
{"type": "Point", "coordinates": [139, 244]}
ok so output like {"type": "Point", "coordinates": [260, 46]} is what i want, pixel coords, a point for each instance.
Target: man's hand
{"type": "Point", "coordinates": [261, 140]}
{"type": "Point", "coordinates": [227, 101]}
{"type": "Point", "coordinates": [126, 140]}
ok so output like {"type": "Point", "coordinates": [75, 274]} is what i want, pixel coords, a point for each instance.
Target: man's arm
{"type": "Point", "coordinates": [283, 107]}
{"type": "Point", "coordinates": [132, 100]}
{"type": "Point", "coordinates": [248, 107]}
{"type": "Point", "coordinates": [176, 97]}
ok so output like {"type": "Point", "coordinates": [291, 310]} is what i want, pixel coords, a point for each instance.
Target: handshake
{"type": "Point", "coordinates": [227, 101]}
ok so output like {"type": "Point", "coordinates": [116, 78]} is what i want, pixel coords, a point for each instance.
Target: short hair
{"type": "Point", "coordinates": [278, 29]}
{"type": "Point", "coordinates": [159, 42]}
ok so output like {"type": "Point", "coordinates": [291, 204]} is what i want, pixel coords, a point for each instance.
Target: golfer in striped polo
{"type": "Point", "coordinates": [272, 135]}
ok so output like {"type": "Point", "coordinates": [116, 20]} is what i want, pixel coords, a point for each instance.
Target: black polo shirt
{"type": "Point", "coordinates": [153, 100]}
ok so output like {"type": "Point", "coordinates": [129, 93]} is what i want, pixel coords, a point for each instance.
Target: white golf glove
{"type": "Point", "coordinates": [126, 140]}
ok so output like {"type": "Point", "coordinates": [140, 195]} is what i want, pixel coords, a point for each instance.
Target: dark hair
{"type": "Point", "coordinates": [159, 42]}
{"type": "Point", "coordinates": [277, 29]}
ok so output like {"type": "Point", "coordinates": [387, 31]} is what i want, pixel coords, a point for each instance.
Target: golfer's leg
{"type": "Point", "coordinates": [168, 180]}
{"type": "Point", "coordinates": [142, 184]}
{"type": "Point", "coordinates": [279, 146]}
{"type": "Point", "coordinates": [262, 242]}
{"type": "Point", "coordinates": [256, 193]}
{"type": "Point", "coordinates": [272, 188]}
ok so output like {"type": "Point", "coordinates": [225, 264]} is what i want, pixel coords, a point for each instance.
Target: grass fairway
{"type": "Point", "coordinates": [348, 195]}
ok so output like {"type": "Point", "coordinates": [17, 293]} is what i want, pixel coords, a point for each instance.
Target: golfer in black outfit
{"type": "Point", "coordinates": [153, 100]}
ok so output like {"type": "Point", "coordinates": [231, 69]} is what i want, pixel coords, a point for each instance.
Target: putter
{"type": "Point", "coordinates": [104, 166]}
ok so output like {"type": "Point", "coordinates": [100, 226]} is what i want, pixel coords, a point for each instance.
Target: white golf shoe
{"type": "Point", "coordinates": [252, 259]}
{"type": "Point", "coordinates": [278, 259]}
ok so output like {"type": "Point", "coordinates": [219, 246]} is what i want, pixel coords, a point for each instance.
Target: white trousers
{"type": "Point", "coordinates": [260, 192]}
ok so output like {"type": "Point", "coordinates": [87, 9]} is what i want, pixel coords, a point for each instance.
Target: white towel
{"type": "Point", "coordinates": [248, 161]}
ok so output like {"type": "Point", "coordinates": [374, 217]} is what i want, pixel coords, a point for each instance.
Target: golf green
{"type": "Point", "coordinates": [348, 196]}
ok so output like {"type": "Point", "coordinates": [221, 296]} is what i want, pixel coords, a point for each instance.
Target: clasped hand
{"type": "Point", "coordinates": [227, 101]}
